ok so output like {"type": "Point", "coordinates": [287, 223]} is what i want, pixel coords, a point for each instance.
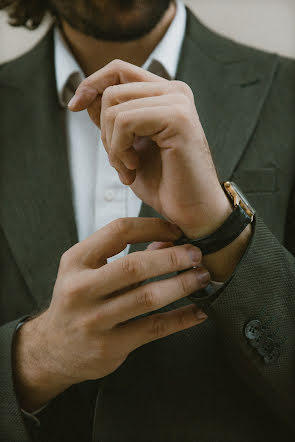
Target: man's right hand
{"type": "Point", "coordinates": [86, 332]}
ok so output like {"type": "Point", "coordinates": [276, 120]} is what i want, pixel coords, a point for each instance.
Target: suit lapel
{"type": "Point", "coordinates": [230, 84]}
{"type": "Point", "coordinates": [36, 210]}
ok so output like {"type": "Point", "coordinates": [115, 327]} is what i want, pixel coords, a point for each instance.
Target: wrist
{"type": "Point", "coordinates": [215, 216]}
{"type": "Point", "coordinates": [224, 240]}
{"type": "Point", "coordinates": [223, 263]}
{"type": "Point", "coordinates": [36, 378]}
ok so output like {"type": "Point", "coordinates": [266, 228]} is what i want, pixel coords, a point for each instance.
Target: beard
{"type": "Point", "coordinates": [111, 20]}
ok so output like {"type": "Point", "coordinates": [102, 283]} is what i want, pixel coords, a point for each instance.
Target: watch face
{"type": "Point", "coordinates": [238, 197]}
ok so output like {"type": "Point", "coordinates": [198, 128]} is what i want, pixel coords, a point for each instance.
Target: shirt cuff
{"type": "Point", "coordinates": [216, 285]}
{"type": "Point", "coordinates": [206, 295]}
{"type": "Point", "coordinates": [33, 415]}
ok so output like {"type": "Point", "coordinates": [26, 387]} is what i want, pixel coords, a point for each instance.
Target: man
{"type": "Point", "coordinates": [88, 352]}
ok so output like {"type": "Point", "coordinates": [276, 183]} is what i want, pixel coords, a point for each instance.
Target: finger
{"type": "Point", "coordinates": [109, 114]}
{"type": "Point", "coordinates": [160, 123]}
{"type": "Point", "coordinates": [115, 236]}
{"type": "Point", "coordinates": [140, 266]}
{"type": "Point", "coordinates": [139, 332]}
{"type": "Point", "coordinates": [116, 72]}
{"type": "Point", "coordinates": [153, 296]}
{"type": "Point", "coordinates": [145, 122]}
{"type": "Point", "coordinates": [126, 175]}
{"type": "Point", "coordinates": [121, 93]}
{"type": "Point", "coordinates": [157, 245]}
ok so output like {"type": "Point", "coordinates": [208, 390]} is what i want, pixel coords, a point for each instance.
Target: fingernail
{"type": "Point", "coordinates": [195, 255]}
{"type": "Point", "coordinates": [204, 277]}
{"type": "Point", "coordinates": [73, 101]}
{"type": "Point", "coordinates": [201, 315]}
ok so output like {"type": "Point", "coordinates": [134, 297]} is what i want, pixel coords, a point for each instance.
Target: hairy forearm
{"type": "Point", "coordinates": [36, 379]}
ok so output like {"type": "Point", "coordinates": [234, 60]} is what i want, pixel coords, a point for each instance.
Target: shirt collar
{"type": "Point", "coordinates": [66, 69]}
{"type": "Point", "coordinates": [164, 58]}
{"type": "Point", "coordinates": [167, 52]}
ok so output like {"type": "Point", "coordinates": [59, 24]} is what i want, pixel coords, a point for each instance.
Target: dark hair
{"type": "Point", "coordinates": [28, 13]}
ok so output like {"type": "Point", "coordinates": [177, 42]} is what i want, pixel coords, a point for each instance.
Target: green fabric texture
{"type": "Point", "coordinates": [204, 384]}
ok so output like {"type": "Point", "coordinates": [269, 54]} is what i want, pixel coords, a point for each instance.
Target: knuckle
{"type": "Point", "coordinates": [183, 87]}
{"type": "Point", "coordinates": [158, 328]}
{"type": "Point", "coordinates": [181, 100]}
{"type": "Point", "coordinates": [183, 114]}
{"type": "Point", "coordinates": [110, 114]}
{"type": "Point", "coordinates": [181, 320]}
{"type": "Point", "coordinates": [72, 290]}
{"type": "Point", "coordinates": [108, 95]}
{"type": "Point", "coordinates": [186, 101]}
{"type": "Point", "coordinates": [183, 285]}
{"type": "Point", "coordinates": [174, 259]}
{"type": "Point", "coordinates": [116, 63]}
{"type": "Point", "coordinates": [85, 327]}
{"type": "Point", "coordinates": [94, 322]}
{"type": "Point", "coordinates": [122, 120]}
{"type": "Point", "coordinates": [147, 299]}
{"type": "Point", "coordinates": [119, 226]}
{"type": "Point", "coordinates": [131, 266]}
{"type": "Point", "coordinates": [112, 159]}
{"type": "Point", "coordinates": [66, 260]}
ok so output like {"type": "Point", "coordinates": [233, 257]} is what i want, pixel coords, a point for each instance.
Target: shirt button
{"type": "Point", "coordinates": [253, 330]}
{"type": "Point", "coordinates": [109, 195]}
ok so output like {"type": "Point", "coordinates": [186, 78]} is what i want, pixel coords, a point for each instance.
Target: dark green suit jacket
{"type": "Point", "coordinates": [210, 383]}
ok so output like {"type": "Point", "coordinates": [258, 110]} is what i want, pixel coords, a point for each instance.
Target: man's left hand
{"type": "Point", "coordinates": [153, 136]}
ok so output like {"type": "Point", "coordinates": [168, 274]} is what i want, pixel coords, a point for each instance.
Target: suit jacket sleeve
{"type": "Point", "coordinates": [255, 315]}
{"type": "Point", "coordinates": [69, 416]}
{"type": "Point", "coordinates": [12, 425]}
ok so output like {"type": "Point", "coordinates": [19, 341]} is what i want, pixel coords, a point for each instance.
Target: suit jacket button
{"type": "Point", "coordinates": [253, 329]}
{"type": "Point", "coordinates": [258, 342]}
{"type": "Point", "coordinates": [266, 347]}
{"type": "Point", "coordinates": [272, 356]}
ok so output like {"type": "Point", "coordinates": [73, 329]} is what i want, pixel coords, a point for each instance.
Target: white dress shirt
{"type": "Point", "coordinates": [99, 197]}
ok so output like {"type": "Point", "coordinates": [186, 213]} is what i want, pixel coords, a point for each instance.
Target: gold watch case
{"type": "Point", "coordinates": [238, 198]}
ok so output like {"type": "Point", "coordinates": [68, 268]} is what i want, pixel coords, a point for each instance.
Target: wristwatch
{"type": "Point", "coordinates": [242, 215]}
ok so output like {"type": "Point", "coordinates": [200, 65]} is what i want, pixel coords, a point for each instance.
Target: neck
{"type": "Point", "coordinates": [93, 54]}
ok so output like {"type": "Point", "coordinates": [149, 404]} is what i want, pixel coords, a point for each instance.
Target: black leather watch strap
{"type": "Point", "coordinates": [227, 233]}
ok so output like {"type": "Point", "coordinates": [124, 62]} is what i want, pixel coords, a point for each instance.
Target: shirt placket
{"type": "Point", "coordinates": [111, 196]}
